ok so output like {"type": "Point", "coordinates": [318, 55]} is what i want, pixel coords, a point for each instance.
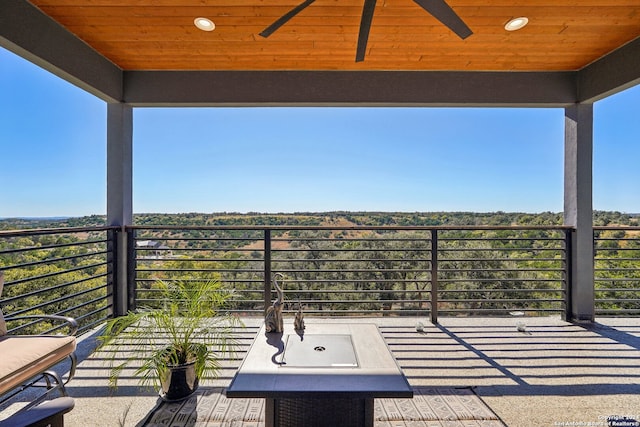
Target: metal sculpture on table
{"type": "Point", "coordinates": [298, 320]}
{"type": "Point", "coordinates": [273, 321]}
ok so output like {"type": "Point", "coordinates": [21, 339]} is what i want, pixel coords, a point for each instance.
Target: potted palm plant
{"type": "Point", "coordinates": [179, 341]}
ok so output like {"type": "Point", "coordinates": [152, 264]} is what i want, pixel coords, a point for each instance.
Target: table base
{"type": "Point", "coordinates": [319, 412]}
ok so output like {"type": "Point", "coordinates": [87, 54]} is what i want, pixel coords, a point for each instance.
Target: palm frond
{"type": "Point", "coordinates": [188, 326]}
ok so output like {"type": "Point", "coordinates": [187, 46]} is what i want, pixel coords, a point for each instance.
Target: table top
{"type": "Point", "coordinates": [268, 371]}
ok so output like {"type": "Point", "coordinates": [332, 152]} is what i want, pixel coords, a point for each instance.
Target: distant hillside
{"type": "Point", "coordinates": [336, 219]}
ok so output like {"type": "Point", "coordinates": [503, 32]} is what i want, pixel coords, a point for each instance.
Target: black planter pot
{"type": "Point", "coordinates": [179, 382]}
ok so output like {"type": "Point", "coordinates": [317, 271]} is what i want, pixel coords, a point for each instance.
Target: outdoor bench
{"type": "Point", "coordinates": [26, 360]}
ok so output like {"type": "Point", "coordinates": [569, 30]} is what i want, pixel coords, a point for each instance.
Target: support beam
{"type": "Point", "coordinates": [349, 88]}
{"type": "Point", "coordinates": [578, 208]}
{"type": "Point", "coordinates": [120, 197]}
{"type": "Point", "coordinates": [119, 164]}
{"type": "Point", "coordinates": [26, 31]}
{"type": "Point", "coordinates": [613, 73]}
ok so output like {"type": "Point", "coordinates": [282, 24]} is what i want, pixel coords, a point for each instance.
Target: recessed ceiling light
{"type": "Point", "coordinates": [516, 23]}
{"type": "Point", "coordinates": [204, 24]}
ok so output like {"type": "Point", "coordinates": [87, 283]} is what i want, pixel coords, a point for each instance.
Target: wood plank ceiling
{"type": "Point", "coordinates": [160, 34]}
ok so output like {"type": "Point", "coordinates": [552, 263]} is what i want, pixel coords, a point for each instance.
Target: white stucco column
{"type": "Point", "coordinates": [578, 208]}
{"type": "Point", "coordinates": [120, 197]}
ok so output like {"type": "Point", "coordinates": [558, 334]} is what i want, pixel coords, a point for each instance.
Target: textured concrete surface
{"type": "Point", "coordinates": [548, 373]}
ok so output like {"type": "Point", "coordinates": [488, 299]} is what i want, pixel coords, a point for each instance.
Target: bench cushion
{"type": "Point", "coordinates": [24, 357]}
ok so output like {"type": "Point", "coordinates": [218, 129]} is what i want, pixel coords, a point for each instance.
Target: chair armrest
{"type": "Point", "coordinates": [47, 413]}
{"type": "Point", "coordinates": [73, 325]}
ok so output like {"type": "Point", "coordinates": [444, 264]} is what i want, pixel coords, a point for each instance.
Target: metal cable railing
{"type": "Point", "coordinates": [337, 271]}
{"type": "Point", "coordinates": [56, 271]}
{"type": "Point", "coordinates": [617, 270]}
{"type": "Point", "coordinates": [331, 271]}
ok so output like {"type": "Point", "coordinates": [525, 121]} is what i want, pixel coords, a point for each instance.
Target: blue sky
{"type": "Point", "coordinates": [53, 145]}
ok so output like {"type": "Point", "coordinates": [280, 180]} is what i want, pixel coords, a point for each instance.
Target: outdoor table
{"type": "Point", "coordinates": [327, 376]}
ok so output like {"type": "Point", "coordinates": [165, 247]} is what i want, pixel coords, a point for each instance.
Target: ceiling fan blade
{"type": "Point", "coordinates": [365, 26]}
{"type": "Point", "coordinates": [443, 13]}
{"type": "Point", "coordinates": [285, 18]}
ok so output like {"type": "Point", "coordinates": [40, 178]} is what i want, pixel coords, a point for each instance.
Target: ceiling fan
{"type": "Point", "coordinates": [439, 9]}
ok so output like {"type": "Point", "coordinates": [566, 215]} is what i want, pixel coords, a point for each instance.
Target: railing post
{"type": "Point", "coordinates": [131, 269]}
{"type": "Point", "coordinates": [117, 261]}
{"type": "Point", "coordinates": [434, 276]}
{"type": "Point", "coordinates": [267, 269]}
{"type": "Point", "coordinates": [112, 256]}
{"type": "Point", "coordinates": [569, 236]}
{"type": "Point", "coordinates": [119, 277]}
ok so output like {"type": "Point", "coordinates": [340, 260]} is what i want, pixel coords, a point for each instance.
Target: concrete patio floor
{"type": "Point", "coordinates": [553, 374]}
